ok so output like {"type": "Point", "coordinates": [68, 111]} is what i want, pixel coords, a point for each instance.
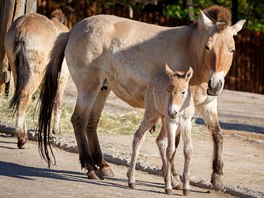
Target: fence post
{"type": "Point", "coordinates": [10, 11]}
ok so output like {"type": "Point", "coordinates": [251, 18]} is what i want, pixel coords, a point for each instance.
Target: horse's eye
{"type": "Point", "coordinates": [207, 47]}
{"type": "Point", "coordinates": [232, 50]}
{"type": "Point", "coordinates": [183, 92]}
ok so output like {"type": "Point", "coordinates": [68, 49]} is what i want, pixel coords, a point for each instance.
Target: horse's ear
{"type": "Point", "coordinates": [189, 74]}
{"type": "Point", "coordinates": [204, 22]}
{"type": "Point", "coordinates": [168, 70]}
{"type": "Point", "coordinates": [238, 26]}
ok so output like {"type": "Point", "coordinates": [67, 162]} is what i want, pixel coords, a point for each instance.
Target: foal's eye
{"type": "Point", "coordinates": [207, 47]}
{"type": "Point", "coordinates": [183, 92]}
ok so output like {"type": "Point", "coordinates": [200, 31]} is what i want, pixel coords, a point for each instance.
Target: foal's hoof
{"type": "Point", "coordinates": [132, 185]}
{"type": "Point", "coordinates": [21, 141]}
{"type": "Point", "coordinates": [186, 192]}
{"type": "Point", "coordinates": [217, 181]}
{"type": "Point", "coordinates": [177, 185]}
{"type": "Point", "coordinates": [93, 175]}
{"type": "Point", "coordinates": [168, 191]}
{"type": "Point", "coordinates": [107, 172]}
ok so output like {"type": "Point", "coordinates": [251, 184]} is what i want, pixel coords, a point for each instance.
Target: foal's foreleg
{"type": "Point", "coordinates": [91, 132]}
{"type": "Point", "coordinates": [162, 143]}
{"type": "Point", "coordinates": [171, 128]}
{"type": "Point", "coordinates": [209, 113]}
{"type": "Point", "coordinates": [187, 150]}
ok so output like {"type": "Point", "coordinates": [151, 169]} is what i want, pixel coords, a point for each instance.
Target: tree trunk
{"type": "Point", "coordinates": [234, 11]}
{"type": "Point", "coordinates": [7, 10]}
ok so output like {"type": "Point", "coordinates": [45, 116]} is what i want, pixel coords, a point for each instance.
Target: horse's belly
{"type": "Point", "coordinates": [128, 90]}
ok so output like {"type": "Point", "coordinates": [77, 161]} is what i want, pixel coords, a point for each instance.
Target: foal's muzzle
{"type": "Point", "coordinates": [215, 85]}
{"type": "Point", "coordinates": [172, 114]}
{"type": "Point", "coordinates": [173, 111]}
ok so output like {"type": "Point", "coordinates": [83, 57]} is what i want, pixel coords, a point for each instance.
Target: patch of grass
{"type": "Point", "coordinates": [110, 123]}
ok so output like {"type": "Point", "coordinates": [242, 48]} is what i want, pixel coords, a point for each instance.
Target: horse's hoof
{"type": "Point", "coordinates": [107, 172]}
{"type": "Point", "coordinates": [186, 192]}
{"type": "Point", "coordinates": [168, 191]}
{"type": "Point", "coordinates": [93, 175]}
{"type": "Point", "coordinates": [217, 181]}
{"type": "Point", "coordinates": [132, 185]}
{"type": "Point", "coordinates": [21, 141]}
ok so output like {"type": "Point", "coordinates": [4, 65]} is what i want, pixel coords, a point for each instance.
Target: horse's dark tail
{"type": "Point", "coordinates": [22, 72]}
{"type": "Point", "coordinates": [47, 96]}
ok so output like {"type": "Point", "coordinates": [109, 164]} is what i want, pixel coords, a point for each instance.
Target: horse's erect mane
{"type": "Point", "coordinates": [221, 16]}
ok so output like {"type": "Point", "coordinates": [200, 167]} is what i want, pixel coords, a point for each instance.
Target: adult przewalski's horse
{"type": "Point", "coordinates": [28, 43]}
{"type": "Point", "coordinates": [107, 53]}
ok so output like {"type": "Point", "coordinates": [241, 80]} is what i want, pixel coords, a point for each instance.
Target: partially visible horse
{"type": "Point", "coordinates": [107, 53]}
{"type": "Point", "coordinates": [27, 44]}
{"type": "Point", "coordinates": [168, 97]}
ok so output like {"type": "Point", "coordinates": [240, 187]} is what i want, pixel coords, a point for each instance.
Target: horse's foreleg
{"type": "Point", "coordinates": [138, 140]}
{"type": "Point", "coordinates": [91, 132]}
{"type": "Point", "coordinates": [58, 102]}
{"type": "Point", "coordinates": [209, 113]}
{"type": "Point", "coordinates": [86, 98]}
{"type": "Point", "coordinates": [187, 150]}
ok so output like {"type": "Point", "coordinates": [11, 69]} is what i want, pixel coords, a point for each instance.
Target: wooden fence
{"type": "Point", "coordinates": [246, 73]}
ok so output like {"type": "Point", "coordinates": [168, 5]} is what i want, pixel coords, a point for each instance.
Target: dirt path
{"type": "Point", "coordinates": [23, 175]}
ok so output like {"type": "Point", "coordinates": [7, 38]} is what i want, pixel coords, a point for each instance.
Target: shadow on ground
{"type": "Point", "coordinates": [235, 126]}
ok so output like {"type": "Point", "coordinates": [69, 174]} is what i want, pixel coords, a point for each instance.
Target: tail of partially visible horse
{"type": "Point", "coordinates": [22, 72]}
{"type": "Point", "coordinates": [47, 95]}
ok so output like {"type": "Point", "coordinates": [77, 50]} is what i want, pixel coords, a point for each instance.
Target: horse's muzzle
{"type": "Point", "coordinates": [214, 87]}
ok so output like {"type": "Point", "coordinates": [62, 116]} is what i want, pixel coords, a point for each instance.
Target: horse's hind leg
{"type": "Point", "coordinates": [87, 93]}
{"type": "Point", "coordinates": [91, 131]}
{"type": "Point", "coordinates": [58, 99]}
{"type": "Point", "coordinates": [21, 129]}
{"type": "Point", "coordinates": [25, 98]}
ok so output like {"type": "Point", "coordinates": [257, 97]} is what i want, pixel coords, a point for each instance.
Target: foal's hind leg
{"type": "Point", "coordinates": [91, 132]}
{"type": "Point", "coordinates": [139, 137]}
{"type": "Point", "coordinates": [87, 93]}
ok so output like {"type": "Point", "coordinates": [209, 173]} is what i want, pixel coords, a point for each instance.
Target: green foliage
{"type": "Point", "coordinates": [251, 10]}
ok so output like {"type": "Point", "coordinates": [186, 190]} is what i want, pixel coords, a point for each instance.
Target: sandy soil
{"type": "Point", "coordinates": [22, 175]}
{"type": "Point", "coordinates": [242, 119]}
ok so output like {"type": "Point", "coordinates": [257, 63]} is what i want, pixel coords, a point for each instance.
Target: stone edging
{"type": "Point", "coordinates": [70, 146]}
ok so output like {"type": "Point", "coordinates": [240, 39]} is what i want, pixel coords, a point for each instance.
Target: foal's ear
{"type": "Point", "coordinates": [204, 22]}
{"type": "Point", "coordinates": [238, 26]}
{"type": "Point", "coordinates": [168, 70]}
{"type": "Point", "coordinates": [189, 74]}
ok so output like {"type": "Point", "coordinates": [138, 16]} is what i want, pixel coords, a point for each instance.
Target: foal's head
{"type": "Point", "coordinates": [177, 90]}
{"type": "Point", "coordinates": [218, 44]}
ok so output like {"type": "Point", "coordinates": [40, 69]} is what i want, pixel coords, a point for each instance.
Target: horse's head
{"type": "Point", "coordinates": [218, 45]}
{"type": "Point", "coordinates": [177, 90]}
